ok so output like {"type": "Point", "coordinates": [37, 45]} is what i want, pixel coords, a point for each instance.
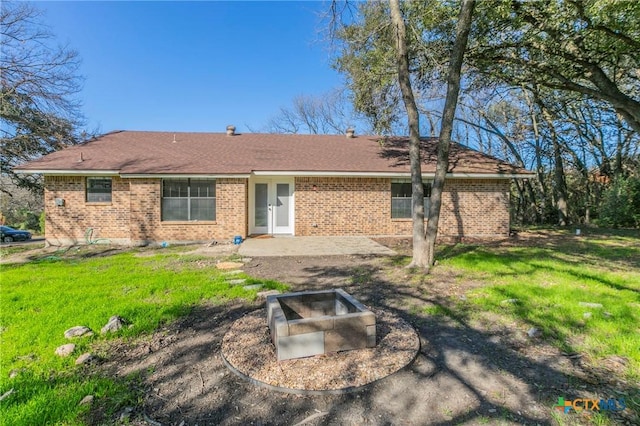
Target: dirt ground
{"type": "Point", "coordinates": [485, 372]}
{"type": "Point", "coordinates": [480, 372]}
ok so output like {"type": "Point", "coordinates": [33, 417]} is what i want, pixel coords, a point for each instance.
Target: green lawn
{"type": "Point", "coordinates": [558, 287]}
{"type": "Point", "coordinates": [42, 299]}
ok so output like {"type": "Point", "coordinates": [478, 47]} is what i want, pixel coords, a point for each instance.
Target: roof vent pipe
{"type": "Point", "coordinates": [231, 130]}
{"type": "Point", "coordinates": [350, 133]}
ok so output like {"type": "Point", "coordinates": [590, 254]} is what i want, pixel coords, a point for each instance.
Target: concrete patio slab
{"type": "Point", "coordinates": [313, 246]}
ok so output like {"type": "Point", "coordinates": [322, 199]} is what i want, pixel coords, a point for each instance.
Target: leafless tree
{"type": "Point", "coordinates": [38, 83]}
{"type": "Point", "coordinates": [328, 113]}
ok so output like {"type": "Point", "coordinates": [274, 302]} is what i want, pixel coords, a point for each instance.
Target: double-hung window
{"type": "Point", "coordinates": [98, 190]}
{"type": "Point", "coordinates": [188, 199]}
{"type": "Point", "coordinates": [401, 198]}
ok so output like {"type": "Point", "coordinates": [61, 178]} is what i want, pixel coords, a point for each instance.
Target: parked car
{"type": "Point", "coordinates": [8, 234]}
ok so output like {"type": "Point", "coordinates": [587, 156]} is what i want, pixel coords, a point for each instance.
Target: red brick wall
{"type": "Point", "coordinates": [133, 216]}
{"type": "Point", "coordinates": [231, 214]}
{"type": "Point", "coordinates": [475, 208]}
{"type": "Point", "coordinates": [343, 206]}
{"type": "Point", "coordinates": [362, 206]}
{"type": "Point", "coordinates": [67, 224]}
{"type": "Point", "coordinates": [339, 206]}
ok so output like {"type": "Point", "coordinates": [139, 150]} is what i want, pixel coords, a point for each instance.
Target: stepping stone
{"type": "Point", "coordinates": [232, 273]}
{"type": "Point", "coordinates": [236, 282]}
{"type": "Point", "coordinates": [252, 287]}
{"type": "Point", "coordinates": [590, 305]}
{"type": "Point", "coordinates": [264, 294]}
{"type": "Point", "coordinates": [229, 265]}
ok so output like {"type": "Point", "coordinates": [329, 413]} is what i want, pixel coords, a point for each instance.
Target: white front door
{"type": "Point", "coordinates": [271, 206]}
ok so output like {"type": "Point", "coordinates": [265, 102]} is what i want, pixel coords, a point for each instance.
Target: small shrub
{"type": "Point", "coordinates": [621, 203]}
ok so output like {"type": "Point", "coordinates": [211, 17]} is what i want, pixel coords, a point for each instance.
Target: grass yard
{"type": "Point", "coordinates": [583, 294]}
{"type": "Point", "coordinates": [42, 299]}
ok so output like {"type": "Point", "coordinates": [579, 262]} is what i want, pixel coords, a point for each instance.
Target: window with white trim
{"type": "Point", "coordinates": [401, 198]}
{"type": "Point", "coordinates": [188, 199]}
{"type": "Point", "coordinates": [98, 190]}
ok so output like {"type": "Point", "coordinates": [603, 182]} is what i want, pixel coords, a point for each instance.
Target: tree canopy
{"type": "Point", "coordinates": [551, 85]}
{"type": "Point", "coordinates": [590, 47]}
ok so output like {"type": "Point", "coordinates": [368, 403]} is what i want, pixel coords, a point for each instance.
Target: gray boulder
{"type": "Point", "coordinates": [87, 400]}
{"type": "Point", "coordinates": [534, 332]}
{"type": "Point", "coordinates": [86, 358]}
{"type": "Point", "coordinates": [65, 350]}
{"type": "Point", "coordinates": [115, 323]}
{"type": "Point", "coordinates": [78, 331]}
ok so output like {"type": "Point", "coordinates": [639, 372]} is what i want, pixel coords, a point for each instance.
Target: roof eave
{"type": "Point", "coordinates": [184, 175]}
{"type": "Point", "coordinates": [491, 175]}
{"type": "Point", "coordinates": [454, 175]}
{"type": "Point", "coordinates": [67, 172]}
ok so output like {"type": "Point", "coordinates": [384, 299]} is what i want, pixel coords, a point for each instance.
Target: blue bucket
{"type": "Point", "coordinates": [237, 239]}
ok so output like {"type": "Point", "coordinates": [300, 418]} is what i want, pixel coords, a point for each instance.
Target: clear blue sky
{"type": "Point", "coordinates": [193, 66]}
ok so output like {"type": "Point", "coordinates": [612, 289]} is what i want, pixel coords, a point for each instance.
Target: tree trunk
{"type": "Point", "coordinates": [558, 168]}
{"type": "Point", "coordinates": [417, 192]}
{"type": "Point", "coordinates": [463, 27]}
{"type": "Point", "coordinates": [587, 203]}
{"type": "Point", "coordinates": [561, 185]}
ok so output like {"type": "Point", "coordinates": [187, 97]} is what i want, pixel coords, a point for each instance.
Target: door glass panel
{"type": "Point", "coordinates": [261, 202]}
{"type": "Point", "coordinates": [282, 204]}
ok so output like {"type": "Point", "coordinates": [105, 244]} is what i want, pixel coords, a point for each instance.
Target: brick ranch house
{"type": "Point", "coordinates": [136, 188]}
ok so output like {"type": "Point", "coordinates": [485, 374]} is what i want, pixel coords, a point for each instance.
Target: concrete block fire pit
{"type": "Point", "coordinates": [312, 323]}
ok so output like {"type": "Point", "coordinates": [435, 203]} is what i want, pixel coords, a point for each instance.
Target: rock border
{"type": "Point", "coordinates": [395, 327]}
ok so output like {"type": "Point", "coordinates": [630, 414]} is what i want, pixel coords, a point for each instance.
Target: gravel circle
{"type": "Point", "coordinates": [247, 348]}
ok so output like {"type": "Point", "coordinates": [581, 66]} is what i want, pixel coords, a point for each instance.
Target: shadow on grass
{"type": "Point", "coordinates": [525, 262]}
{"type": "Point", "coordinates": [63, 392]}
{"type": "Point", "coordinates": [454, 250]}
{"type": "Point", "coordinates": [454, 346]}
{"type": "Point", "coordinates": [463, 374]}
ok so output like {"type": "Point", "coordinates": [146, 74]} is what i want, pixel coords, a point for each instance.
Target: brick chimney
{"type": "Point", "coordinates": [350, 133]}
{"type": "Point", "coordinates": [231, 130]}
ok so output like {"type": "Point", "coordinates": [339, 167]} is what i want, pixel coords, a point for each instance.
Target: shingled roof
{"type": "Point", "coordinates": [168, 153]}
